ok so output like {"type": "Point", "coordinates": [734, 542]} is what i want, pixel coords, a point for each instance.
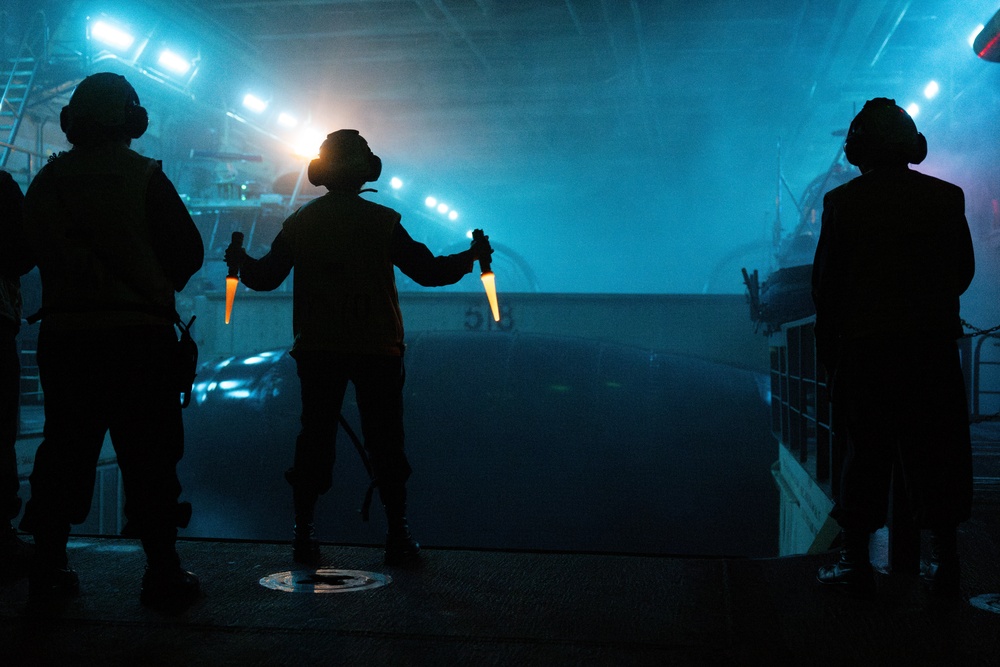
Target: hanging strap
{"type": "Point", "coordinates": [366, 504]}
{"type": "Point", "coordinates": [187, 350]}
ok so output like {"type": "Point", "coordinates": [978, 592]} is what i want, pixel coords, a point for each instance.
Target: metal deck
{"type": "Point", "coordinates": [465, 607]}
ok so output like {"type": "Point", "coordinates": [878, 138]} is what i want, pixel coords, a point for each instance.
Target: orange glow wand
{"type": "Point", "coordinates": [233, 277]}
{"type": "Point", "coordinates": [489, 280]}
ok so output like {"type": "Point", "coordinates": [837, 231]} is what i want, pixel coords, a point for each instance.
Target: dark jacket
{"type": "Point", "coordinates": [15, 257]}
{"type": "Point", "coordinates": [343, 249]}
{"type": "Point", "coordinates": [893, 257]}
{"type": "Point", "coordinates": [112, 238]}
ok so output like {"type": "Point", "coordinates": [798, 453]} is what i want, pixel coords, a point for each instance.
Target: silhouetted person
{"type": "Point", "coordinates": [348, 327]}
{"type": "Point", "coordinates": [113, 242]}
{"type": "Point", "coordinates": [15, 261]}
{"type": "Point", "coordinates": [894, 255]}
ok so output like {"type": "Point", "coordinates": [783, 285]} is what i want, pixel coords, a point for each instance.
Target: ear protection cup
{"type": "Point", "coordinates": [344, 158]}
{"type": "Point", "coordinates": [919, 150]}
{"type": "Point", "coordinates": [66, 120]}
{"type": "Point", "coordinates": [136, 120]}
{"type": "Point", "coordinates": [317, 172]}
{"type": "Point", "coordinates": [883, 132]}
{"type": "Point", "coordinates": [374, 167]}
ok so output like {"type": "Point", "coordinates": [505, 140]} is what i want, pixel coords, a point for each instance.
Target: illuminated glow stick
{"type": "Point", "coordinates": [231, 283]}
{"type": "Point", "coordinates": [233, 278]}
{"type": "Point", "coordinates": [489, 280]}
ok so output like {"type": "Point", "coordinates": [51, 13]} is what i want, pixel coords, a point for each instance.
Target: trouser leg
{"type": "Point", "coordinates": [378, 381]}
{"type": "Point", "coordinates": [147, 432]}
{"type": "Point", "coordinates": [935, 445]}
{"type": "Point", "coordinates": [323, 383]}
{"type": "Point", "coordinates": [62, 478]}
{"type": "Point", "coordinates": [10, 394]}
{"type": "Point", "coordinates": [866, 404]}
{"type": "Point", "coordinates": [379, 384]}
{"type": "Point", "coordinates": [148, 436]}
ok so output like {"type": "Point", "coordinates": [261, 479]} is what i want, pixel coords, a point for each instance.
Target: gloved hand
{"type": "Point", "coordinates": [235, 256]}
{"type": "Point", "coordinates": [481, 248]}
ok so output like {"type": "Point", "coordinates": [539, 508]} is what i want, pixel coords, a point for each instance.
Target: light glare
{"type": "Point", "coordinates": [975, 33]}
{"type": "Point", "coordinates": [111, 35]}
{"type": "Point", "coordinates": [913, 110]}
{"type": "Point", "coordinates": [453, 215]}
{"type": "Point", "coordinates": [395, 183]}
{"type": "Point", "coordinates": [173, 62]}
{"type": "Point", "coordinates": [254, 103]}
{"type": "Point", "coordinates": [431, 202]}
{"type": "Point", "coordinates": [442, 208]}
{"type": "Point", "coordinates": [308, 143]}
{"type": "Point", "coordinates": [286, 119]}
{"type": "Point", "coordinates": [931, 90]}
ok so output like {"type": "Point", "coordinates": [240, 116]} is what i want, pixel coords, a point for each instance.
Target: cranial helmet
{"type": "Point", "coordinates": [883, 133]}
{"type": "Point", "coordinates": [103, 105]}
{"type": "Point", "coordinates": [345, 159]}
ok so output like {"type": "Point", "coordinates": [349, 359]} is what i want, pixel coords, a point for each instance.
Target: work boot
{"type": "Point", "coordinates": [941, 574]}
{"type": "Point", "coordinates": [400, 547]}
{"type": "Point", "coordinates": [15, 553]}
{"type": "Point", "coordinates": [53, 582]}
{"type": "Point", "coordinates": [853, 573]}
{"type": "Point", "coordinates": [49, 575]}
{"type": "Point", "coordinates": [169, 589]}
{"type": "Point", "coordinates": [166, 586]}
{"type": "Point", "coordinates": [305, 546]}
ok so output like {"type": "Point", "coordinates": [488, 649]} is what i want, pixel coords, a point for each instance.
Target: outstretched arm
{"type": "Point", "coordinates": [419, 263]}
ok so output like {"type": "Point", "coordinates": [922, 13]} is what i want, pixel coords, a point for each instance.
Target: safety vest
{"type": "Point", "coordinates": [85, 216]}
{"type": "Point", "coordinates": [345, 296]}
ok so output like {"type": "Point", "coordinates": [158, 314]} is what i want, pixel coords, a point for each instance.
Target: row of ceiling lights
{"type": "Point", "coordinates": [166, 60]}
{"type": "Point", "coordinates": [122, 44]}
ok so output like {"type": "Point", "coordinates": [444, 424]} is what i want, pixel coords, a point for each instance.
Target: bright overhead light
{"type": "Point", "coordinates": [431, 202]}
{"type": "Point", "coordinates": [173, 62]}
{"type": "Point", "coordinates": [931, 90]}
{"type": "Point", "coordinates": [287, 120]}
{"type": "Point", "coordinates": [308, 143]}
{"type": "Point", "coordinates": [975, 33]}
{"type": "Point", "coordinates": [395, 183]}
{"type": "Point", "coordinates": [442, 208]}
{"type": "Point", "coordinates": [111, 35]}
{"type": "Point", "coordinates": [254, 103]}
{"type": "Point", "coordinates": [913, 110]}
{"type": "Point", "coordinates": [453, 215]}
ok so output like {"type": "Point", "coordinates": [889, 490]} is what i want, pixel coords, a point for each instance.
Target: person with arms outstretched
{"type": "Point", "coordinates": [347, 327]}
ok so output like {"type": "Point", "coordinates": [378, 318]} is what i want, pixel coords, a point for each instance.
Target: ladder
{"type": "Point", "coordinates": [18, 76]}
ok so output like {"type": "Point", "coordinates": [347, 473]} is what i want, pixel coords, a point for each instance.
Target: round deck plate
{"type": "Point", "coordinates": [324, 581]}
